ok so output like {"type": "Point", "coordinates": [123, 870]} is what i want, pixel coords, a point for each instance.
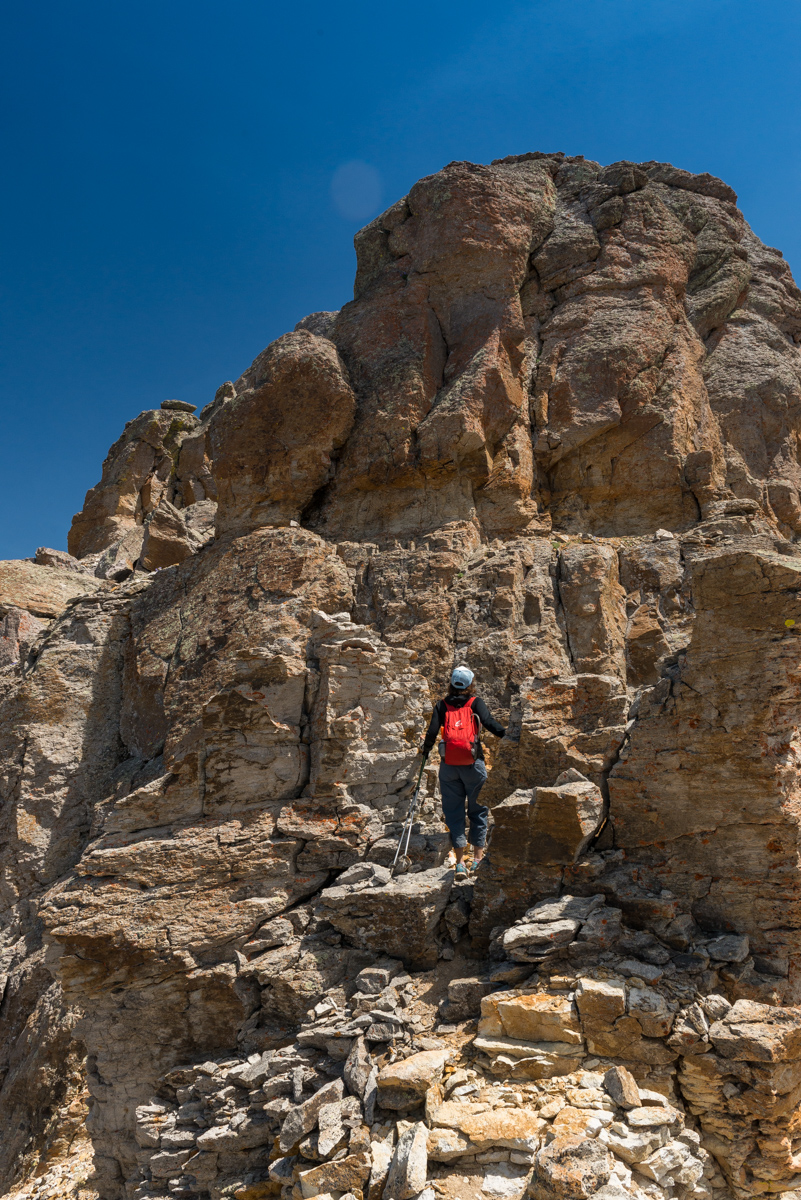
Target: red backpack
{"type": "Point", "coordinates": [460, 734]}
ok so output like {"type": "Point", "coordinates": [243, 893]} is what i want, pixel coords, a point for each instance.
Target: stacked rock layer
{"type": "Point", "coordinates": [555, 434]}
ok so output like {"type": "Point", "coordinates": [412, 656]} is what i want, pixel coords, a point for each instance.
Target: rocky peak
{"type": "Point", "coordinates": [553, 434]}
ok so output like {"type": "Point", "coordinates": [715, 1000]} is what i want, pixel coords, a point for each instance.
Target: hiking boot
{"type": "Point", "coordinates": [461, 871]}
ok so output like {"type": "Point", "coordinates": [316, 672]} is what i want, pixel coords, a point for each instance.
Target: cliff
{"type": "Point", "coordinates": [554, 434]}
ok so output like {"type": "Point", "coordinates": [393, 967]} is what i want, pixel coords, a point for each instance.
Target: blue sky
{"type": "Point", "coordinates": [183, 180]}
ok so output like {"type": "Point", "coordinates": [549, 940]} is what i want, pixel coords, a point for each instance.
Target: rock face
{"type": "Point", "coordinates": [554, 434]}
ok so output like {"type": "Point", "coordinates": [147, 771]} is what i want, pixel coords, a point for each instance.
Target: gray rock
{"type": "Point", "coordinates": [365, 873]}
{"type": "Point", "coordinates": [250, 1074]}
{"type": "Point", "coordinates": [381, 1032]}
{"type": "Point", "coordinates": [177, 406]}
{"type": "Point", "coordinates": [331, 1130]}
{"type": "Point", "coordinates": [731, 947]}
{"type": "Point", "coordinates": [370, 1097]}
{"type": "Point", "coordinates": [302, 1120]}
{"type": "Point", "coordinates": [358, 1066]}
{"type": "Point", "coordinates": [399, 919]}
{"type": "Point", "coordinates": [407, 1171]}
{"type": "Point", "coordinates": [532, 941]}
{"type": "Point", "coordinates": [373, 980]}
{"type": "Point", "coordinates": [576, 908]}
{"type": "Point", "coordinates": [465, 996]}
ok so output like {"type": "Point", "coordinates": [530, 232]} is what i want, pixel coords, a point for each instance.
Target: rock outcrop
{"type": "Point", "coordinates": [555, 435]}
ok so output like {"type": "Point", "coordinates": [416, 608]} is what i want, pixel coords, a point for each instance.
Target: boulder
{"type": "Point", "coordinates": [347, 1174]}
{"type": "Point", "coordinates": [398, 919]}
{"type": "Point", "coordinates": [404, 1084]}
{"type": "Point", "coordinates": [753, 1032]}
{"type": "Point", "coordinates": [272, 444]}
{"type": "Point", "coordinates": [536, 1017]}
{"type": "Point", "coordinates": [570, 1168]}
{"type": "Point", "coordinates": [39, 590]}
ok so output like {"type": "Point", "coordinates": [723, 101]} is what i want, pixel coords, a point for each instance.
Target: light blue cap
{"type": "Point", "coordinates": [462, 677]}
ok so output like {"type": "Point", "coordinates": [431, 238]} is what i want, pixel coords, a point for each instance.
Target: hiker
{"type": "Point", "coordinates": [462, 773]}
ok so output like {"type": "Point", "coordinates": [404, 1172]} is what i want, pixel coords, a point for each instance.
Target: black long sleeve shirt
{"type": "Point", "coordinates": [479, 708]}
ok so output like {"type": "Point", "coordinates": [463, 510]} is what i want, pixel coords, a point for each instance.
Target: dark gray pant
{"type": "Point", "coordinates": [457, 785]}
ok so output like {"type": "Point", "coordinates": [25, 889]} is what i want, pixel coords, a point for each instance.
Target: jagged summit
{"type": "Point", "coordinates": [555, 435]}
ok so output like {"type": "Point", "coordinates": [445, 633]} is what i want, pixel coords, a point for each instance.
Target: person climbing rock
{"type": "Point", "coordinates": [462, 773]}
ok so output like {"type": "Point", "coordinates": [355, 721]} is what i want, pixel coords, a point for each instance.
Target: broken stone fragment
{"type": "Point", "coordinates": [530, 942]}
{"type": "Point", "coordinates": [622, 1087]}
{"type": "Point", "coordinates": [577, 908]}
{"type": "Point", "coordinates": [674, 1160]}
{"type": "Point", "coordinates": [530, 1060]}
{"type": "Point", "coordinates": [754, 1032]}
{"type": "Point", "coordinates": [374, 979]}
{"type": "Point", "coordinates": [331, 1132]}
{"type": "Point", "coordinates": [651, 1010]}
{"type": "Point", "coordinates": [398, 919]}
{"type": "Point", "coordinates": [730, 947]}
{"type": "Point", "coordinates": [251, 1074]}
{"type": "Point", "coordinates": [407, 1172]}
{"type": "Point", "coordinates": [403, 1084]}
{"type": "Point", "coordinates": [465, 996]}
{"type": "Point", "coordinates": [534, 1018]}
{"type": "Point", "coordinates": [302, 1119]}
{"type": "Point", "coordinates": [347, 1174]}
{"type": "Point", "coordinates": [358, 1066]}
{"type": "Point", "coordinates": [570, 1168]}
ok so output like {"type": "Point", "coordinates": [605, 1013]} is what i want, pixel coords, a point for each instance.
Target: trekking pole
{"type": "Point", "coordinates": [407, 827]}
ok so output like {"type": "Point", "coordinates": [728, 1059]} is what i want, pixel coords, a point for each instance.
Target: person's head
{"type": "Point", "coordinates": [461, 681]}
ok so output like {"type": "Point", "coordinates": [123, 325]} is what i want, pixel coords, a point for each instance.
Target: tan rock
{"type": "Point", "coordinates": [583, 1122]}
{"type": "Point", "coordinates": [646, 645]}
{"type": "Point", "coordinates": [403, 1084]}
{"type": "Point", "coordinates": [532, 1060]}
{"type": "Point", "coordinates": [622, 1087]}
{"type": "Point", "coordinates": [138, 472]}
{"type": "Point", "coordinates": [512, 1128]}
{"type": "Point", "coordinates": [601, 1000]}
{"type": "Point", "coordinates": [738, 665]}
{"type": "Point", "coordinates": [758, 1033]}
{"type": "Point", "coordinates": [595, 609]}
{"type": "Point", "coordinates": [539, 1018]}
{"type": "Point", "coordinates": [538, 342]}
{"type": "Point", "coordinates": [41, 591]}
{"type": "Point", "coordinates": [347, 1174]}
